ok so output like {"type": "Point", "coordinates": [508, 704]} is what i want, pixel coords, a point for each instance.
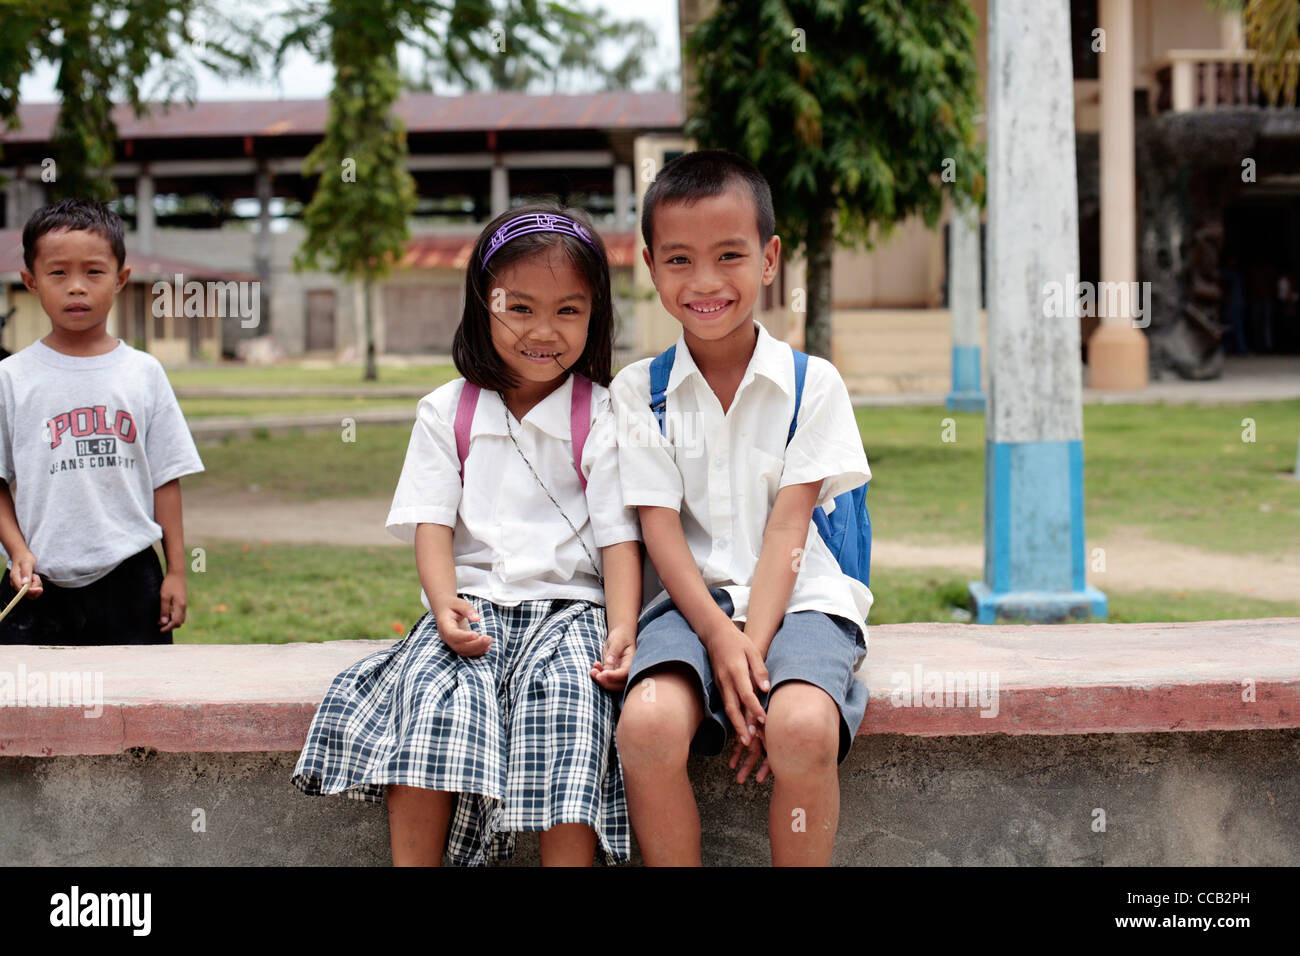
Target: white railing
{"type": "Point", "coordinates": [1206, 79]}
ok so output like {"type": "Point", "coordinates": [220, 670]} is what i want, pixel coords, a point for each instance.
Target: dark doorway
{"type": "Point", "coordinates": [320, 320]}
{"type": "Point", "coordinates": [1260, 267]}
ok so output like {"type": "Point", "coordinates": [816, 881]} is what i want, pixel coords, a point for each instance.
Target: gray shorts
{"type": "Point", "coordinates": [821, 649]}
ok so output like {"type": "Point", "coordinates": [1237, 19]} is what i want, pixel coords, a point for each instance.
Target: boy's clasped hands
{"type": "Point", "coordinates": [741, 674]}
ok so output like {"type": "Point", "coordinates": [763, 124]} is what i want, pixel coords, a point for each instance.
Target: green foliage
{"type": "Point", "coordinates": [852, 104]}
{"type": "Point", "coordinates": [356, 221]}
{"type": "Point", "coordinates": [853, 111]}
{"type": "Point", "coordinates": [518, 53]}
{"type": "Point", "coordinates": [1273, 31]}
{"type": "Point", "coordinates": [102, 52]}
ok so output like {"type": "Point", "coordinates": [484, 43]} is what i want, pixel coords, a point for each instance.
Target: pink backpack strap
{"type": "Point", "coordinates": [464, 418]}
{"type": "Point", "coordinates": [580, 421]}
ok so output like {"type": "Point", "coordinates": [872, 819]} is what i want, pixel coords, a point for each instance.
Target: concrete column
{"type": "Point", "coordinates": [1117, 351]}
{"type": "Point", "coordinates": [1033, 495]}
{"type": "Point", "coordinates": [1232, 33]}
{"type": "Point", "coordinates": [967, 394]}
{"type": "Point", "coordinates": [14, 215]}
{"type": "Point", "coordinates": [262, 248]}
{"type": "Point", "coordinates": [500, 188]}
{"type": "Point", "coordinates": [144, 210]}
{"type": "Point", "coordinates": [23, 197]}
{"type": "Point", "coordinates": [622, 195]}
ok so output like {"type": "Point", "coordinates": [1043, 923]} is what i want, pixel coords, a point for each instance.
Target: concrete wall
{"type": "Point", "coordinates": [1169, 799]}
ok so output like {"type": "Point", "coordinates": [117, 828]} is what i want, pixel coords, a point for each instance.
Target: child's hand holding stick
{"type": "Point", "coordinates": [17, 597]}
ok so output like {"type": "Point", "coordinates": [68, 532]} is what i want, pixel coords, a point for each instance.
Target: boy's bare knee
{"type": "Point", "coordinates": [803, 730]}
{"type": "Point", "coordinates": [657, 723]}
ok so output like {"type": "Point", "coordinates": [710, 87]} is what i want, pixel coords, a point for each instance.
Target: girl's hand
{"type": "Point", "coordinates": [620, 646]}
{"type": "Point", "coordinates": [24, 564]}
{"type": "Point", "coordinates": [453, 620]}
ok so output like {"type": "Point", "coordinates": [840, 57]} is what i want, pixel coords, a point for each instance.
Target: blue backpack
{"type": "Point", "coordinates": [847, 529]}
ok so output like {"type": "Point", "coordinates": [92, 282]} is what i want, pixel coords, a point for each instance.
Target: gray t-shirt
{"type": "Point", "coordinates": [84, 441]}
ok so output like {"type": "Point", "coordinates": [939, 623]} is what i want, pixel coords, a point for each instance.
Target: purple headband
{"type": "Point", "coordinates": [535, 222]}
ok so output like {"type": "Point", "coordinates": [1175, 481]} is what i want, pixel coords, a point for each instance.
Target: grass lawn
{"type": "Point", "coordinates": [264, 376]}
{"type": "Point", "coordinates": [1180, 471]}
{"type": "Point", "coordinates": [244, 407]}
{"type": "Point", "coordinates": [270, 594]}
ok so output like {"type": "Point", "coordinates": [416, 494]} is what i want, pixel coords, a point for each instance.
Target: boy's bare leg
{"type": "Point", "coordinates": [568, 844]}
{"type": "Point", "coordinates": [803, 739]}
{"type": "Point", "coordinates": [660, 717]}
{"type": "Point", "coordinates": [418, 821]}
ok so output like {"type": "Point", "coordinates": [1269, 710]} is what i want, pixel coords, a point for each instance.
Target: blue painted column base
{"type": "Point", "coordinates": [1038, 607]}
{"type": "Point", "coordinates": [965, 401]}
{"type": "Point", "coordinates": [966, 394]}
{"type": "Point", "coordinates": [1033, 536]}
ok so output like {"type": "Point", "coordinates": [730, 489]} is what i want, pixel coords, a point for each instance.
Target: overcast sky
{"type": "Point", "coordinates": [304, 78]}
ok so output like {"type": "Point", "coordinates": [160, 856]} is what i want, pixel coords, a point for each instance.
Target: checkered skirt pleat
{"type": "Point", "coordinates": [522, 734]}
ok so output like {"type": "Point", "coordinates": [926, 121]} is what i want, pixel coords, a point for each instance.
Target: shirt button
{"type": "Point", "coordinates": [719, 464]}
{"type": "Point", "coordinates": [724, 543]}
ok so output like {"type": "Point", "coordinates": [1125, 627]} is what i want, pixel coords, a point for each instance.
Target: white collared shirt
{"type": "Point", "coordinates": [511, 543]}
{"type": "Point", "coordinates": [722, 472]}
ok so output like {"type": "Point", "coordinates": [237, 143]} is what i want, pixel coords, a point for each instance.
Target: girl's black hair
{"type": "Point", "coordinates": [472, 350]}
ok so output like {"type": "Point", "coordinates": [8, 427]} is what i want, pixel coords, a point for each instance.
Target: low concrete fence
{"type": "Point", "coordinates": [1089, 744]}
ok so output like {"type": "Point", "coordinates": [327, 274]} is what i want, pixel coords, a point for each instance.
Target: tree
{"type": "Point", "coordinates": [582, 49]}
{"type": "Point", "coordinates": [1273, 31]}
{"type": "Point", "coordinates": [859, 113]}
{"type": "Point", "coordinates": [103, 52]}
{"type": "Point", "coordinates": [357, 220]}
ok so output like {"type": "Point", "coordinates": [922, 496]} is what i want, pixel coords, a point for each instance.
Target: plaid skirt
{"type": "Point", "coordinates": [522, 735]}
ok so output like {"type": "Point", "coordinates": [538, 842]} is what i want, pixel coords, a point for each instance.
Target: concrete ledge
{"type": "Point", "coordinates": [1036, 680]}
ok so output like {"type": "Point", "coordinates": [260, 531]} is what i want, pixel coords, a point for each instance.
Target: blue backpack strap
{"type": "Point", "coordinates": [800, 373]}
{"type": "Point", "coordinates": [660, 368]}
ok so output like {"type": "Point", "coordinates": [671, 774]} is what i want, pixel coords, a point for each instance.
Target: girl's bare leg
{"type": "Point", "coordinates": [568, 844]}
{"type": "Point", "coordinates": [418, 821]}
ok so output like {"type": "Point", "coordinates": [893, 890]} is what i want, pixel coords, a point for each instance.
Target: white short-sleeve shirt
{"type": "Point", "coordinates": [511, 543]}
{"type": "Point", "coordinates": [722, 472]}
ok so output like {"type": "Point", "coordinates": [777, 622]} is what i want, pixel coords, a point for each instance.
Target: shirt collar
{"type": "Point", "coordinates": [551, 415]}
{"type": "Point", "coordinates": [771, 359]}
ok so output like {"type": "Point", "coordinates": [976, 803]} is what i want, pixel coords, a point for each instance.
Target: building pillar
{"type": "Point", "coordinates": [967, 393]}
{"type": "Point", "coordinates": [1117, 351]}
{"type": "Point", "coordinates": [623, 197]}
{"type": "Point", "coordinates": [144, 213]}
{"type": "Point", "coordinates": [23, 196]}
{"type": "Point", "coordinates": [500, 188]}
{"type": "Point", "coordinates": [262, 249]}
{"type": "Point", "coordinates": [1033, 495]}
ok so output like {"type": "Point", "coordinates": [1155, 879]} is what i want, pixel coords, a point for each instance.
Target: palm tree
{"type": "Point", "coordinates": [1273, 32]}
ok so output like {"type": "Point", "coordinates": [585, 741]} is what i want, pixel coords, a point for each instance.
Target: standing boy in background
{"type": "Point", "coordinates": [759, 626]}
{"type": "Point", "coordinates": [92, 449]}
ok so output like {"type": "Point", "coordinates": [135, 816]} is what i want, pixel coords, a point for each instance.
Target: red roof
{"type": "Point", "coordinates": [421, 112]}
{"type": "Point", "coordinates": [453, 252]}
{"type": "Point", "coordinates": [144, 266]}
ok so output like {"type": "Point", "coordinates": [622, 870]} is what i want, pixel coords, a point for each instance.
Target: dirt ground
{"type": "Point", "coordinates": [1133, 561]}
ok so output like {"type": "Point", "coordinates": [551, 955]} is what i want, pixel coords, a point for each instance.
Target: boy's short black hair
{"type": "Point", "coordinates": [79, 214]}
{"type": "Point", "coordinates": [700, 175]}
{"type": "Point", "coordinates": [472, 349]}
